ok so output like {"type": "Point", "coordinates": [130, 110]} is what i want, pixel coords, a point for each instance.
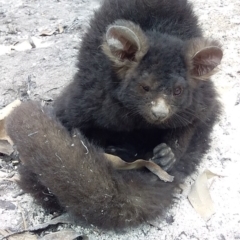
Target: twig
{"type": "Point", "coordinates": [85, 147]}
{"type": "Point", "coordinates": [23, 217]}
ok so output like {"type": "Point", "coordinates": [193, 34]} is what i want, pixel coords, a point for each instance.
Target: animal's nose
{"type": "Point", "coordinates": [159, 109]}
{"type": "Point", "coordinates": [160, 114]}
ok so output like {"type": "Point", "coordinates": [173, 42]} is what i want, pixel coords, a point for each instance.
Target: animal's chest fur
{"type": "Point", "coordinates": [129, 145]}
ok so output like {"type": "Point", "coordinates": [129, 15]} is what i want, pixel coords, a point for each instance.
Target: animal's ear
{"type": "Point", "coordinates": [125, 44]}
{"type": "Point", "coordinates": [203, 57]}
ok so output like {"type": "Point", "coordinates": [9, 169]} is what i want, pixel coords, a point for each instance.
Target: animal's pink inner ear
{"type": "Point", "coordinates": [206, 60]}
{"type": "Point", "coordinates": [122, 42]}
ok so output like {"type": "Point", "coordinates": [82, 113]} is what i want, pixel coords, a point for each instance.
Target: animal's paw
{"type": "Point", "coordinates": [163, 156]}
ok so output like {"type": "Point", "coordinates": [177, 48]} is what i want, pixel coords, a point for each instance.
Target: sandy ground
{"type": "Point", "coordinates": [41, 70]}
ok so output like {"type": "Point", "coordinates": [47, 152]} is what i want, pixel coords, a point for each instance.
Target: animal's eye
{"type": "Point", "coordinates": [177, 91]}
{"type": "Point", "coordinates": [145, 88]}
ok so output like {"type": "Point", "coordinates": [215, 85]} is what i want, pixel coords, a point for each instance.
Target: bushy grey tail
{"type": "Point", "coordinates": [78, 175]}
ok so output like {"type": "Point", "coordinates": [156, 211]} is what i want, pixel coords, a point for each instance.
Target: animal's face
{"type": "Point", "coordinates": [158, 87]}
{"type": "Point", "coordinates": [157, 72]}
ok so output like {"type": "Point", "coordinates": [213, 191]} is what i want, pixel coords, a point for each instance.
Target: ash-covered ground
{"type": "Point", "coordinates": [44, 37]}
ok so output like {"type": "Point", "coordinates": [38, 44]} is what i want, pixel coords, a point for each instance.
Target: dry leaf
{"type": "Point", "coordinates": [23, 236]}
{"type": "Point", "coordinates": [68, 234]}
{"type": "Point", "coordinates": [23, 46]}
{"type": "Point", "coordinates": [12, 179]}
{"type": "Point", "coordinates": [46, 98]}
{"type": "Point", "coordinates": [47, 32]}
{"type": "Point", "coordinates": [120, 164]}
{"type": "Point", "coordinates": [31, 42]}
{"type": "Point", "coordinates": [60, 29]}
{"type": "Point", "coordinates": [61, 219]}
{"type": "Point", "coordinates": [3, 114]}
{"type": "Point", "coordinates": [200, 197]}
{"type": "Point", "coordinates": [39, 44]}
{"type": "Point", "coordinates": [6, 148]}
{"type": "Point", "coordinates": [5, 232]}
{"type": "Point", "coordinates": [5, 141]}
{"type": "Point", "coordinates": [6, 111]}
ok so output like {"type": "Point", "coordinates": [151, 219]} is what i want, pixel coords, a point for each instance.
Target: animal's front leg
{"type": "Point", "coordinates": [164, 156]}
{"type": "Point", "coordinates": [173, 148]}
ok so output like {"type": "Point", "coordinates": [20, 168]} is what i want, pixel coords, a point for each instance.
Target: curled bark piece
{"type": "Point", "coordinates": [200, 197]}
{"type": "Point", "coordinates": [3, 114]}
{"type": "Point", "coordinates": [119, 164]}
{"type": "Point", "coordinates": [5, 141]}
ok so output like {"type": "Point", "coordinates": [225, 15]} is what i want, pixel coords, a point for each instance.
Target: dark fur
{"type": "Point", "coordinates": [85, 184]}
{"type": "Point", "coordinates": [107, 102]}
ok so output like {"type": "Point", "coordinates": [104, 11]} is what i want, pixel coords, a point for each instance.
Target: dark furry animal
{"type": "Point", "coordinates": [142, 90]}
